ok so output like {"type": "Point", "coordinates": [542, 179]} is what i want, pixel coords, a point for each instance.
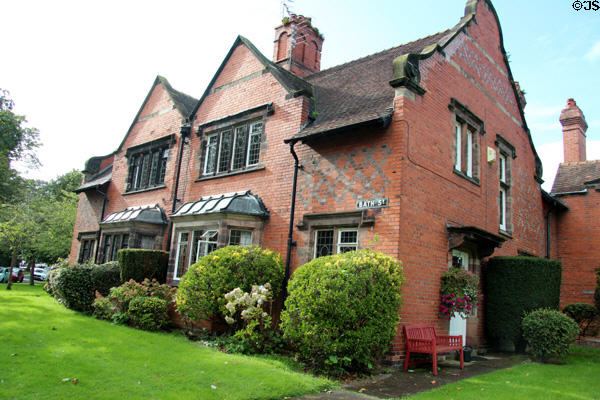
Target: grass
{"type": "Point", "coordinates": [43, 343]}
{"type": "Point", "coordinates": [579, 378]}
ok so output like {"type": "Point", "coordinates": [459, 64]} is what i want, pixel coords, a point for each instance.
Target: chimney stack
{"type": "Point", "coordinates": [574, 128]}
{"type": "Point", "coordinates": [298, 45]}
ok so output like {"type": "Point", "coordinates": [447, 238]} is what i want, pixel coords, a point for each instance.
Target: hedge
{"type": "Point", "coordinates": [139, 264]}
{"type": "Point", "coordinates": [75, 286]}
{"type": "Point", "coordinates": [513, 287]}
{"type": "Point", "coordinates": [341, 314]}
{"type": "Point", "coordinates": [105, 276]}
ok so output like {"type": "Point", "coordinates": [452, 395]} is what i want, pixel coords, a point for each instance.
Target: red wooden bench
{"type": "Point", "coordinates": [423, 339]}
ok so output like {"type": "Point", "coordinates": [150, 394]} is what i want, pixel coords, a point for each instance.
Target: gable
{"type": "Point", "coordinates": [242, 64]}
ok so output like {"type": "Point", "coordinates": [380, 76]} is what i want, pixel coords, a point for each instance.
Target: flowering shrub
{"type": "Point", "coordinates": [460, 293]}
{"type": "Point", "coordinates": [246, 311]}
{"type": "Point", "coordinates": [144, 304]}
{"type": "Point", "coordinates": [201, 293]}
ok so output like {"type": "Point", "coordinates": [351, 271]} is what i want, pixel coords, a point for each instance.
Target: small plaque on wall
{"type": "Point", "coordinates": [371, 203]}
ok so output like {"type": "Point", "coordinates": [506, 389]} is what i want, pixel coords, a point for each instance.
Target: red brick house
{"type": "Point", "coordinates": [577, 185]}
{"type": "Point", "coordinates": [421, 151]}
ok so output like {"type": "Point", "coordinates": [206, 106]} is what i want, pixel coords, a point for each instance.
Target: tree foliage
{"type": "Point", "coordinates": [17, 143]}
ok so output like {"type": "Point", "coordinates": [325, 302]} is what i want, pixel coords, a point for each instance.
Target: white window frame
{"type": "Point", "coordinates": [502, 209]}
{"type": "Point", "coordinates": [253, 132]}
{"type": "Point", "coordinates": [502, 166]}
{"type": "Point", "coordinates": [207, 151]}
{"type": "Point", "coordinates": [339, 240]}
{"type": "Point", "coordinates": [242, 232]}
{"type": "Point", "coordinates": [178, 244]}
{"type": "Point", "coordinates": [336, 243]}
{"type": "Point", "coordinates": [458, 152]}
{"type": "Point", "coordinates": [469, 153]}
{"type": "Point", "coordinates": [206, 239]}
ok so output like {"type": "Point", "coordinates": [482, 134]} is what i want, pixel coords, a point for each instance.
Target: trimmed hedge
{"type": "Point", "coordinates": [513, 287]}
{"type": "Point", "coordinates": [139, 264]}
{"type": "Point", "coordinates": [549, 333]}
{"type": "Point", "coordinates": [342, 311]}
{"type": "Point", "coordinates": [75, 286]}
{"type": "Point", "coordinates": [202, 290]}
{"type": "Point", "coordinates": [105, 276]}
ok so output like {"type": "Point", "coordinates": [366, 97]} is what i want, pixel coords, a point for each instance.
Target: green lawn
{"type": "Point", "coordinates": [579, 378]}
{"type": "Point", "coordinates": [42, 343]}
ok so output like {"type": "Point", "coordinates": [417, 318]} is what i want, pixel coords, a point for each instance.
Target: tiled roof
{"type": "Point", "coordinates": [97, 180]}
{"type": "Point", "coordinates": [150, 213]}
{"type": "Point", "coordinates": [573, 176]}
{"type": "Point", "coordinates": [358, 91]}
{"type": "Point", "coordinates": [236, 203]}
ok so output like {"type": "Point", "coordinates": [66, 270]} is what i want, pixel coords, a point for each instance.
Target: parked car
{"type": "Point", "coordinates": [17, 275]}
{"type": "Point", "coordinates": [4, 274]}
{"type": "Point", "coordinates": [40, 273]}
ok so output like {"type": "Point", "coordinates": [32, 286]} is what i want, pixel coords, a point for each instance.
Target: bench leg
{"type": "Point", "coordinates": [406, 360]}
{"type": "Point", "coordinates": [434, 358]}
{"type": "Point", "coordinates": [462, 358]}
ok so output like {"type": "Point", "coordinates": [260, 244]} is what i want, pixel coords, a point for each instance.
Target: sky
{"type": "Point", "coordinates": [80, 70]}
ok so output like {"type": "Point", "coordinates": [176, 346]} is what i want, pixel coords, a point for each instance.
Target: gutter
{"type": "Point", "coordinates": [99, 234]}
{"type": "Point", "coordinates": [290, 241]}
{"type": "Point", "coordinates": [185, 130]}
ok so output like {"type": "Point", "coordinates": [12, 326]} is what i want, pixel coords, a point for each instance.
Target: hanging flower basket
{"type": "Point", "coordinates": [459, 293]}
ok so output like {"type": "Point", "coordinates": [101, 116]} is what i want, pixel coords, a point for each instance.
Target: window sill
{"type": "Point", "coordinates": [505, 233]}
{"type": "Point", "coordinates": [258, 167]}
{"type": "Point", "coordinates": [474, 181]}
{"type": "Point", "coordinates": [145, 190]}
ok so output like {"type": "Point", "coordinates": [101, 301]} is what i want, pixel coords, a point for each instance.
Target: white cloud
{"type": "Point", "coordinates": [594, 53]}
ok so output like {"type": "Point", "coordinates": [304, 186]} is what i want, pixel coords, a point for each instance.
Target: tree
{"type": "Point", "coordinates": [17, 142]}
{"type": "Point", "coordinates": [16, 227]}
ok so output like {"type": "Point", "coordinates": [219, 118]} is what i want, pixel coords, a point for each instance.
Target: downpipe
{"type": "Point", "coordinates": [290, 242]}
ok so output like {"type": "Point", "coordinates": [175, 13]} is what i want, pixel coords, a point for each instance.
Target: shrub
{"type": "Point", "coordinates": [514, 286]}
{"type": "Point", "coordinates": [73, 288]}
{"type": "Point", "coordinates": [105, 276]}
{"type": "Point", "coordinates": [459, 292]}
{"type": "Point", "coordinates": [148, 313]}
{"type": "Point", "coordinates": [583, 314]}
{"type": "Point", "coordinates": [247, 312]}
{"type": "Point", "coordinates": [140, 264]}
{"type": "Point", "coordinates": [201, 293]}
{"type": "Point", "coordinates": [50, 284]}
{"type": "Point", "coordinates": [549, 333]}
{"type": "Point", "coordinates": [342, 310]}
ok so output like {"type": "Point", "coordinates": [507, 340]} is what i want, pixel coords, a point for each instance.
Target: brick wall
{"type": "Point", "coordinates": [578, 239]}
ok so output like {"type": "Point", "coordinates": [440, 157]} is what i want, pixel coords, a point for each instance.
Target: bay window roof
{"type": "Point", "coordinates": [244, 203]}
{"type": "Point", "coordinates": [150, 213]}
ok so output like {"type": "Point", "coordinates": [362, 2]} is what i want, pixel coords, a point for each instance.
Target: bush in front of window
{"type": "Point", "coordinates": [140, 264]}
{"type": "Point", "coordinates": [549, 333]}
{"type": "Point", "coordinates": [75, 286]}
{"type": "Point", "coordinates": [342, 310]}
{"type": "Point", "coordinates": [514, 286]}
{"type": "Point", "coordinates": [201, 292]}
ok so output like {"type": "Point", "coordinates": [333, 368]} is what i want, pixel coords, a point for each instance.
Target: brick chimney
{"type": "Point", "coordinates": [298, 45]}
{"type": "Point", "coordinates": [574, 128]}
